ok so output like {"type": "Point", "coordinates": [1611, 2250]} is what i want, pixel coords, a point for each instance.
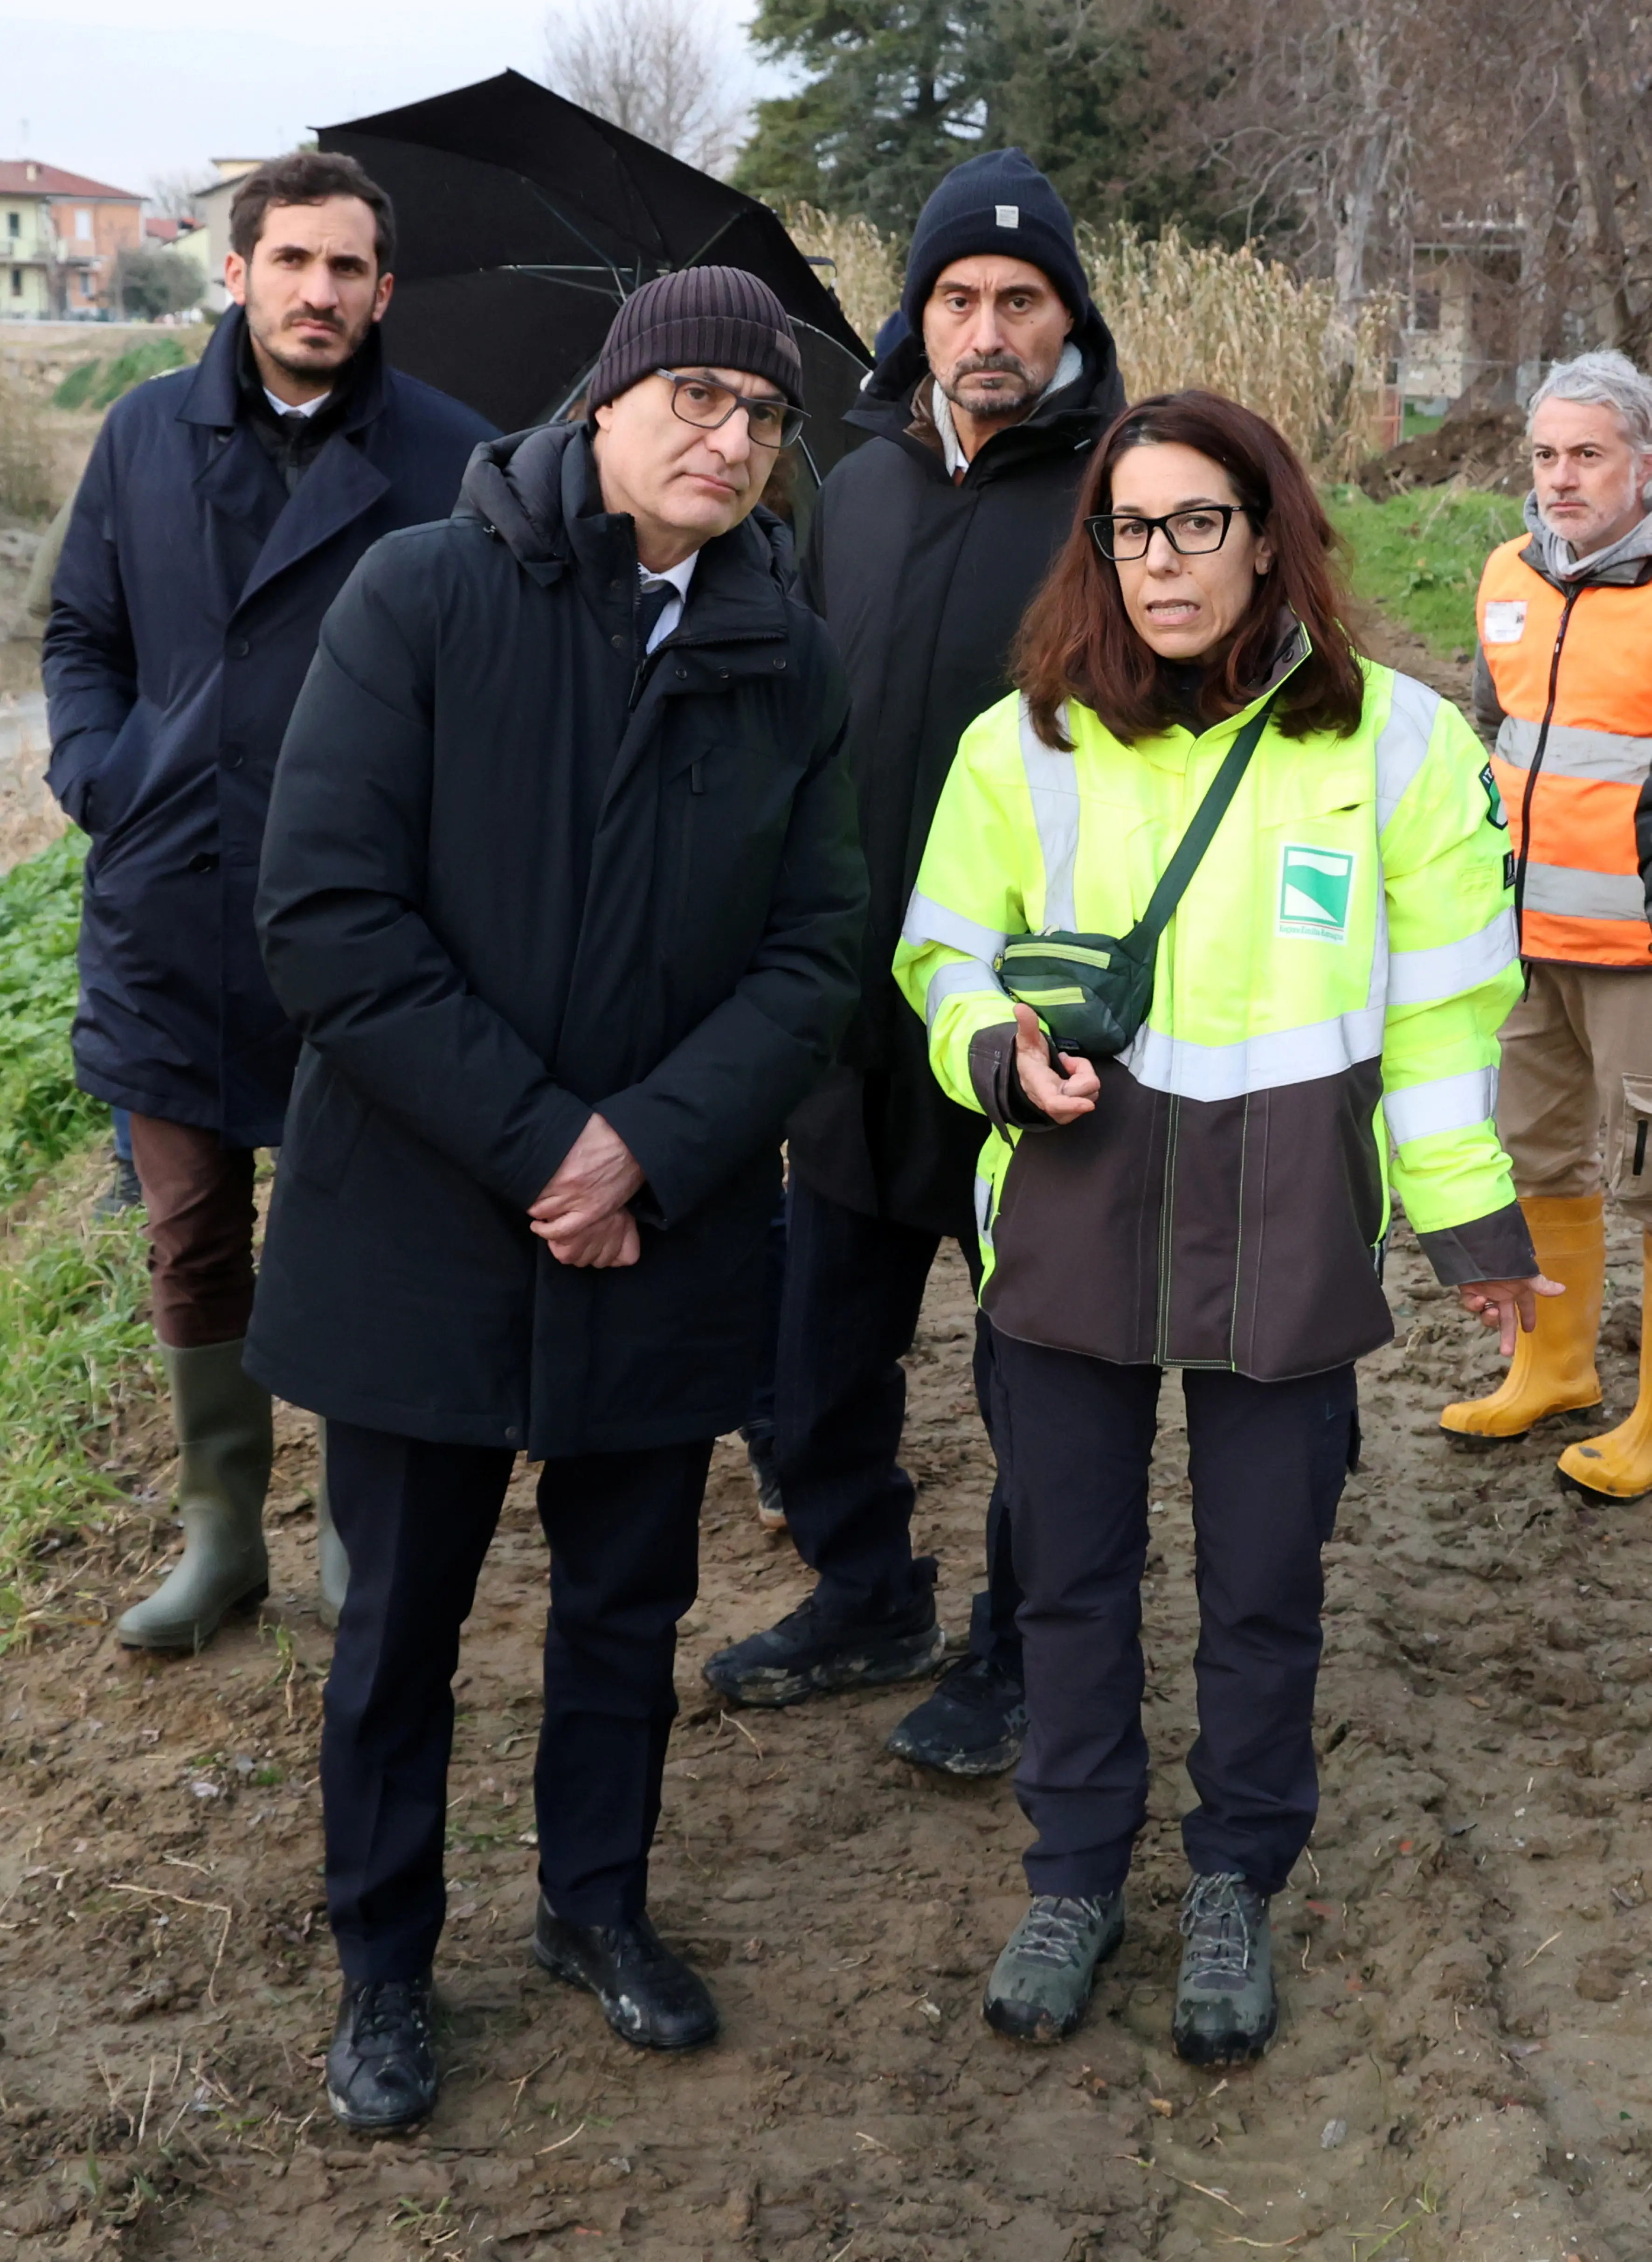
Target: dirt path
{"type": "Point", "coordinates": [1461, 2069]}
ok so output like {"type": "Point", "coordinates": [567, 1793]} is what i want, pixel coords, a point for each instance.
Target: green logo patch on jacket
{"type": "Point", "coordinates": [1314, 887]}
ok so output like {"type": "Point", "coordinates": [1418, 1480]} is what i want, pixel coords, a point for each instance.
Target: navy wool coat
{"type": "Point", "coordinates": [185, 611]}
{"type": "Point", "coordinates": [517, 869]}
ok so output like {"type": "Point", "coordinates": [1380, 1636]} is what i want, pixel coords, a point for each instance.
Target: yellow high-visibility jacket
{"type": "Point", "coordinates": [1332, 981]}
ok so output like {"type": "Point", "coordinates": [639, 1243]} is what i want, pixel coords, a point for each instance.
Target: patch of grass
{"type": "Point", "coordinates": [43, 1117]}
{"type": "Point", "coordinates": [76, 388]}
{"type": "Point", "coordinates": [99, 385]}
{"type": "Point", "coordinates": [75, 1345]}
{"type": "Point", "coordinates": [1418, 557]}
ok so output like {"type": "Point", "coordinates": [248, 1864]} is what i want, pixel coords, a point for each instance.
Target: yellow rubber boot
{"type": "Point", "coordinates": [1553, 1370]}
{"type": "Point", "coordinates": [1619, 1466]}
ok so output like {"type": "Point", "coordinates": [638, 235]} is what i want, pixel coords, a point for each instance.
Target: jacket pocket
{"type": "Point", "coordinates": [1631, 1159]}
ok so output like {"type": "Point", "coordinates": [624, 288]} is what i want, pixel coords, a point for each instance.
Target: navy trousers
{"type": "Point", "coordinates": [854, 1288]}
{"type": "Point", "coordinates": [1267, 1462]}
{"type": "Point", "coordinates": [416, 1520]}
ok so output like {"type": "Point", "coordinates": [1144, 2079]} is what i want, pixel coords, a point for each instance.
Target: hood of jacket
{"type": "Point", "coordinates": [539, 492]}
{"type": "Point", "coordinates": [1624, 564]}
{"type": "Point", "coordinates": [1093, 398]}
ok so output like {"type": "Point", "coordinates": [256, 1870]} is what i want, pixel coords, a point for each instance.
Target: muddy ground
{"type": "Point", "coordinates": [1461, 2067]}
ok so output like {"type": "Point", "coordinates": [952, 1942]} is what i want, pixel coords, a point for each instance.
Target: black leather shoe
{"type": "Point", "coordinates": [649, 1996]}
{"type": "Point", "coordinates": [381, 2070]}
{"type": "Point", "coordinates": [808, 1652]}
{"type": "Point", "coordinates": [974, 1724]}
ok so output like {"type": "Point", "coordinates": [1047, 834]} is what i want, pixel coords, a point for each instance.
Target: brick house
{"type": "Point", "coordinates": [60, 236]}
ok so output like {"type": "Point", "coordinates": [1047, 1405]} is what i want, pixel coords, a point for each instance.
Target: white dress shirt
{"type": "Point", "coordinates": [679, 577]}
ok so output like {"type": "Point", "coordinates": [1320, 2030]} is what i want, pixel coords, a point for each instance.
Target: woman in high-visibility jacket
{"type": "Point", "coordinates": [1216, 1197]}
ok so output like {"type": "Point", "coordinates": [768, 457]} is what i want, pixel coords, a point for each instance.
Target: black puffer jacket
{"type": "Point", "coordinates": [513, 872]}
{"type": "Point", "coordinates": [923, 585]}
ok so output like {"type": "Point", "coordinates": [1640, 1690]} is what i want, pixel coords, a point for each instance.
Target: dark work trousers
{"type": "Point", "coordinates": [416, 1520]}
{"type": "Point", "coordinates": [1267, 1461]}
{"type": "Point", "coordinates": [854, 1287]}
{"type": "Point", "coordinates": [762, 1415]}
{"type": "Point", "coordinates": [199, 1214]}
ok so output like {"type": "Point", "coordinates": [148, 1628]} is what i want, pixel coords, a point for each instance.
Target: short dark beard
{"type": "Point", "coordinates": [1006, 364]}
{"type": "Point", "coordinates": [309, 371]}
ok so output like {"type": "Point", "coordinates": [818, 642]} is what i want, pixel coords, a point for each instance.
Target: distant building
{"type": "Point", "coordinates": [59, 237]}
{"type": "Point", "coordinates": [213, 203]}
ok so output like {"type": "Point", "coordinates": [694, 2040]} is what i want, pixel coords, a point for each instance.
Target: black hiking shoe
{"type": "Point", "coordinates": [808, 1652]}
{"type": "Point", "coordinates": [1042, 1982]}
{"type": "Point", "coordinates": [1226, 2010]}
{"type": "Point", "coordinates": [757, 1437]}
{"type": "Point", "coordinates": [649, 1996]}
{"type": "Point", "coordinates": [974, 1724]}
{"type": "Point", "coordinates": [123, 1192]}
{"type": "Point", "coordinates": [381, 2068]}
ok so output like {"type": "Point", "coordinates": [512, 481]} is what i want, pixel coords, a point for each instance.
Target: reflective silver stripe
{"type": "Point", "coordinates": [1418, 977]}
{"type": "Point", "coordinates": [983, 1206]}
{"type": "Point", "coordinates": [947, 981]}
{"type": "Point", "coordinates": [927, 922]}
{"type": "Point", "coordinates": [1053, 783]}
{"type": "Point", "coordinates": [1568, 751]}
{"type": "Point", "coordinates": [1451, 1102]}
{"type": "Point", "coordinates": [1175, 1064]}
{"type": "Point", "coordinates": [1573, 894]}
{"type": "Point", "coordinates": [1402, 745]}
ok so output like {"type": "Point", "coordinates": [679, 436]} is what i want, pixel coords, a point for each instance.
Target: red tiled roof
{"type": "Point", "coordinates": [51, 181]}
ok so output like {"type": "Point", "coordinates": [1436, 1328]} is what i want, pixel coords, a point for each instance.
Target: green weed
{"type": "Point", "coordinates": [99, 385]}
{"type": "Point", "coordinates": [43, 1117]}
{"type": "Point", "coordinates": [1418, 557]}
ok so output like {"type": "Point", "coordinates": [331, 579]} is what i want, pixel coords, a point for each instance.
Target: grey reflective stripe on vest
{"type": "Point", "coordinates": [1422, 977]}
{"type": "Point", "coordinates": [983, 1206]}
{"type": "Point", "coordinates": [1569, 893]}
{"type": "Point", "coordinates": [927, 922]}
{"type": "Point", "coordinates": [1449, 1103]}
{"type": "Point", "coordinates": [1567, 752]}
{"type": "Point", "coordinates": [1052, 787]}
{"type": "Point", "coordinates": [972, 975]}
{"type": "Point", "coordinates": [1176, 1064]}
{"type": "Point", "coordinates": [1402, 745]}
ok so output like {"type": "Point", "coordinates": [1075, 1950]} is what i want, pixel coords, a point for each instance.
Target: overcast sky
{"type": "Point", "coordinates": [125, 89]}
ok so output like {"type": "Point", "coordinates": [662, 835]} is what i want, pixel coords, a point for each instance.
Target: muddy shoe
{"type": "Point", "coordinates": [649, 1996]}
{"type": "Point", "coordinates": [123, 1192]}
{"type": "Point", "coordinates": [1041, 1983]}
{"type": "Point", "coordinates": [974, 1724]}
{"type": "Point", "coordinates": [807, 1652]}
{"type": "Point", "coordinates": [381, 2068]}
{"type": "Point", "coordinates": [1225, 2009]}
{"type": "Point", "coordinates": [757, 1437]}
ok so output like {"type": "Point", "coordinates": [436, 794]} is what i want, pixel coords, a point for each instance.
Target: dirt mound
{"type": "Point", "coordinates": [1461, 2073]}
{"type": "Point", "coordinates": [1485, 447]}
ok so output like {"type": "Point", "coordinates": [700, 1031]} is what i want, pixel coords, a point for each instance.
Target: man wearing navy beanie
{"type": "Point", "coordinates": [926, 545]}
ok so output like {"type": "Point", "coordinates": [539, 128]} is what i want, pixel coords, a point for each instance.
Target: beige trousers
{"type": "Point", "coordinates": [1578, 1049]}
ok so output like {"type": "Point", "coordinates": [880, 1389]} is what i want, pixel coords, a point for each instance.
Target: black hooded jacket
{"type": "Point", "coordinates": [923, 585]}
{"type": "Point", "coordinates": [515, 871]}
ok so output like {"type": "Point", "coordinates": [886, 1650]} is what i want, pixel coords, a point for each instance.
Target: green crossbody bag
{"type": "Point", "coordinates": [1092, 991]}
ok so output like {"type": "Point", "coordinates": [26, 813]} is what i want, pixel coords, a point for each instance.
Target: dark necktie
{"type": "Point", "coordinates": [655, 596]}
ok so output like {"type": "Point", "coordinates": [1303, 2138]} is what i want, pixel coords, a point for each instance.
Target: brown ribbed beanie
{"type": "Point", "coordinates": [700, 318]}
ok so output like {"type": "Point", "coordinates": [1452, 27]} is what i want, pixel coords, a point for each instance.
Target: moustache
{"type": "Point", "coordinates": [1007, 365]}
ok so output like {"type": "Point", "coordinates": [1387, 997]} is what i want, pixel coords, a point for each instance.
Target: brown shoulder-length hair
{"type": "Point", "coordinates": [1076, 641]}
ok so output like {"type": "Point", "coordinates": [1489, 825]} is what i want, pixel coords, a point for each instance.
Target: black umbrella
{"type": "Point", "coordinates": [524, 222]}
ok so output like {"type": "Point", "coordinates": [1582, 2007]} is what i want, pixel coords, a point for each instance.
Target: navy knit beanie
{"type": "Point", "coordinates": [997, 202]}
{"type": "Point", "coordinates": [698, 318]}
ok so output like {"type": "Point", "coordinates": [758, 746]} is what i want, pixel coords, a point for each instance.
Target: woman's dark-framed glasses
{"type": "Point", "coordinates": [1124, 536]}
{"type": "Point", "coordinates": [703, 400]}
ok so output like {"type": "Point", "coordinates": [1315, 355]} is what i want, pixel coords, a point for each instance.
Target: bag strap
{"type": "Point", "coordinates": [1190, 849]}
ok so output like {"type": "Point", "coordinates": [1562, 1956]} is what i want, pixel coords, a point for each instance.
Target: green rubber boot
{"type": "Point", "coordinates": [1041, 1984]}
{"type": "Point", "coordinates": [225, 1447]}
{"type": "Point", "coordinates": [1226, 2010]}
{"type": "Point", "coordinates": [332, 1562]}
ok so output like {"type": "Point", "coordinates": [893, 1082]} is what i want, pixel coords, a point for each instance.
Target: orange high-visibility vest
{"type": "Point", "coordinates": [1573, 674]}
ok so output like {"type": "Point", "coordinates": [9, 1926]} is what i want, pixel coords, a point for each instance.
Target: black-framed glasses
{"type": "Point", "coordinates": [1124, 536]}
{"type": "Point", "coordinates": [703, 400]}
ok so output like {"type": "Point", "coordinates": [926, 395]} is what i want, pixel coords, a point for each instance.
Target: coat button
{"type": "Point", "coordinates": [618, 643]}
{"type": "Point", "coordinates": [779, 663]}
{"type": "Point", "coordinates": [513, 1436]}
{"type": "Point", "coordinates": [240, 649]}
{"type": "Point", "coordinates": [682, 675]}
{"type": "Point", "coordinates": [233, 758]}
{"type": "Point", "coordinates": [203, 862]}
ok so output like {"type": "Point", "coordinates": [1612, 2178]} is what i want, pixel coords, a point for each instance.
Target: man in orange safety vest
{"type": "Point", "coordinates": [1564, 673]}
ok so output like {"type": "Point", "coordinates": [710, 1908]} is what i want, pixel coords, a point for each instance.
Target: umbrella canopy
{"type": "Point", "coordinates": [524, 220]}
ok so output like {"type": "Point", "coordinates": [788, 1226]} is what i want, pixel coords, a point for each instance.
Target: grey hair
{"type": "Point", "coordinates": [1607, 379]}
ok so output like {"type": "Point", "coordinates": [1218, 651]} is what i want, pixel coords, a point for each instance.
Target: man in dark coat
{"type": "Point", "coordinates": [562, 887]}
{"type": "Point", "coordinates": [220, 513]}
{"type": "Point", "coordinates": [925, 547]}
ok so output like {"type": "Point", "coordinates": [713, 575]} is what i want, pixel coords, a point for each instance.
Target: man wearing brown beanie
{"type": "Point", "coordinates": [561, 888]}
